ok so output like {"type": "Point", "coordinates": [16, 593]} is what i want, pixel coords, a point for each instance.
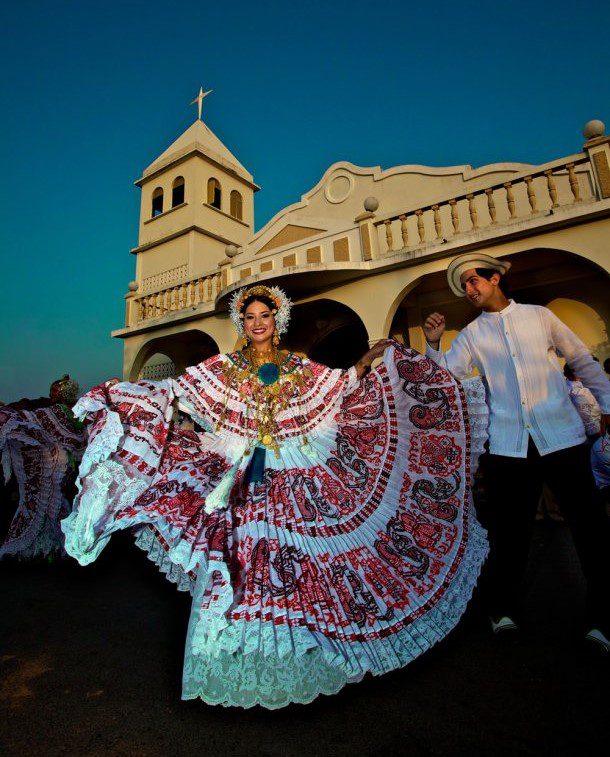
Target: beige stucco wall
{"type": "Point", "coordinates": [171, 221]}
{"type": "Point", "coordinates": [585, 321]}
{"type": "Point", "coordinates": [157, 260]}
{"type": "Point", "coordinates": [196, 172]}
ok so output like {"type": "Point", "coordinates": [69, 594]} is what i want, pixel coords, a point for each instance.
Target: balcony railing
{"type": "Point", "coordinates": [525, 195]}
{"type": "Point", "coordinates": [177, 297]}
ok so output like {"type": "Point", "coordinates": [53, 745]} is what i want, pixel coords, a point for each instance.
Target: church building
{"type": "Point", "coordinates": [363, 254]}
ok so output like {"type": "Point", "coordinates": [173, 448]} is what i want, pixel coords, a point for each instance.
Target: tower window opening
{"type": "Point", "coordinates": [178, 191]}
{"type": "Point", "coordinates": [236, 205]}
{"type": "Point", "coordinates": [214, 193]}
{"type": "Point", "coordinates": [157, 202]}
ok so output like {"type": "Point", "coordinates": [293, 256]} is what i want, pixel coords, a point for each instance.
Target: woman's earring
{"type": "Point", "coordinates": [276, 338]}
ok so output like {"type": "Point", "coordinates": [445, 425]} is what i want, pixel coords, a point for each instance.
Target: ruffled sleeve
{"type": "Point", "coordinates": [128, 425]}
{"type": "Point", "coordinates": [201, 390]}
{"type": "Point", "coordinates": [478, 415]}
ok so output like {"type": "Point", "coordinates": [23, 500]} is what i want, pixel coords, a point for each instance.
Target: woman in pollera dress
{"type": "Point", "coordinates": [321, 520]}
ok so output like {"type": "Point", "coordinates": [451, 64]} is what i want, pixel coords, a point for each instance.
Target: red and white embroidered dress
{"type": "Point", "coordinates": [356, 552]}
{"type": "Point", "coordinates": [39, 449]}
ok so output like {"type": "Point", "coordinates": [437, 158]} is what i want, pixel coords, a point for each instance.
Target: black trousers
{"type": "Point", "coordinates": [513, 486]}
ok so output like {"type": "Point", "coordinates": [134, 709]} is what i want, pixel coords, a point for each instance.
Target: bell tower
{"type": "Point", "coordinates": [197, 198]}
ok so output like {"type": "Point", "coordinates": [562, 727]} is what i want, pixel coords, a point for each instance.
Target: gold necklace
{"type": "Point", "coordinates": [264, 387]}
{"type": "Point", "coordinates": [265, 373]}
{"type": "Point", "coordinates": [258, 358]}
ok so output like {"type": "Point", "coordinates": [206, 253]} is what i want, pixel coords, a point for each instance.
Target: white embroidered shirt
{"type": "Point", "coordinates": [516, 352]}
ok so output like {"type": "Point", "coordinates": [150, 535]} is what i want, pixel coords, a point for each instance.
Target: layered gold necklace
{"type": "Point", "coordinates": [267, 394]}
{"type": "Point", "coordinates": [256, 358]}
{"type": "Point", "coordinates": [263, 386]}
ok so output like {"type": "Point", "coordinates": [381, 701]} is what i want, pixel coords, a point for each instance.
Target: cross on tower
{"type": "Point", "coordinates": [199, 99]}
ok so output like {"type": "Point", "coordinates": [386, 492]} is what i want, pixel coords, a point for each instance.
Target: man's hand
{"type": "Point", "coordinates": [363, 366]}
{"type": "Point", "coordinates": [434, 327]}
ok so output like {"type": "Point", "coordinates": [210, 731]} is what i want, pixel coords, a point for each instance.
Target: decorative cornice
{"type": "Point", "coordinates": [165, 212]}
{"type": "Point", "coordinates": [604, 139]}
{"type": "Point", "coordinates": [226, 215]}
{"type": "Point", "coordinates": [165, 321]}
{"type": "Point", "coordinates": [176, 234]}
{"type": "Point", "coordinates": [195, 150]}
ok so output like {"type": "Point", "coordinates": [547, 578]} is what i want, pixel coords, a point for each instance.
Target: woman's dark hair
{"type": "Point", "coordinates": [503, 284]}
{"type": "Point", "coordinates": [258, 298]}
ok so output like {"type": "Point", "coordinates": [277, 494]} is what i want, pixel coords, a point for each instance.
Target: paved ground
{"type": "Point", "coordinates": [92, 660]}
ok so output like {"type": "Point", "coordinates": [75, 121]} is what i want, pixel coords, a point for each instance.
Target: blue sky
{"type": "Point", "coordinates": [92, 93]}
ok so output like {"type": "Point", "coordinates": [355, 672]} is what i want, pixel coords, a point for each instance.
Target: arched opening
{"type": "Point", "coordinates": [236, 205]}
{"type": "Point", "coordinates": [178, 191]}
{"type": "Point", "coordinates": [158, 366]}
{"type": "Point", "coordinates": [169, 356]}
{"type": "Point", "coordinates": [157, 202]}
{"type": "Point", "coordinates": [577, 290]}
{"type": "Point", "coordinates": [585, 321]}
{"type": "Point", "coordinates": [327, 332]}
{"type": "Point", "coordinates": [214, 193]}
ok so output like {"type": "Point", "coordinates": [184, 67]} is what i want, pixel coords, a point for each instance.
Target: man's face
{"type": "Point", "coordinates": [478, 289]}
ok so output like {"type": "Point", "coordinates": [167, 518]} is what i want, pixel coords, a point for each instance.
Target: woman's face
{"type": "Point", "coordinates": [259, 324]}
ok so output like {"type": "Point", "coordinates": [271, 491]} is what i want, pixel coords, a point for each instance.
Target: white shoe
{"type": "Point", "coordinates": [503, 625]}
{"type": "Point", "coordinates": [596, 638]}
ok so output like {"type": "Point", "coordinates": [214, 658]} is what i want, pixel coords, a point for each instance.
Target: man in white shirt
{"type": "Point", "coordinates": [536, 435]}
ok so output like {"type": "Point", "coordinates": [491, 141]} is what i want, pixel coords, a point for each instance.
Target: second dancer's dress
{"type": "Point", "coordinates": [345, 543]}
{"type": "Point", "coordinates": [40, 450]}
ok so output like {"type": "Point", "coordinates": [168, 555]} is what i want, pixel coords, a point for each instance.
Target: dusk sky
{"type": "Point", "coordinates": [92, 93]}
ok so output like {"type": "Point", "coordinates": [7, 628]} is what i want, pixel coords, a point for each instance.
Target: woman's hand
{"type": "Point", "coordinates": [363, 366]}
{"type": "Point", "coordinates": [434, 327]}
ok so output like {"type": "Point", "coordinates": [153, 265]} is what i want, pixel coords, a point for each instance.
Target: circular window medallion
{"type": "Point", "coordinates": [339, 187]}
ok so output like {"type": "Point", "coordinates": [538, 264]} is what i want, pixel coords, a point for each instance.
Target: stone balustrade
{"type": "Point", "coordinates": [531, 194]}
{"type": "Point", "coordinates": [178, 297]}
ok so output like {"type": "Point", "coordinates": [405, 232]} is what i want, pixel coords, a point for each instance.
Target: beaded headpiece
{"type": "Point", "coordinates": [67, 388]}
{"type": "Point", "coordinates": [275, 294]}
